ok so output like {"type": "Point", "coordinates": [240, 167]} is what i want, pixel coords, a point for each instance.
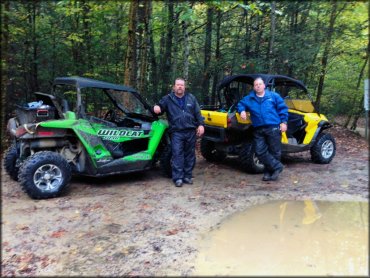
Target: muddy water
{"type": "Point", "coordinates": [289, 238]}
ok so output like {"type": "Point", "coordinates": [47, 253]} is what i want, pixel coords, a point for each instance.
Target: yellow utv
{"type": "Point", "coordinates": [227, 134]}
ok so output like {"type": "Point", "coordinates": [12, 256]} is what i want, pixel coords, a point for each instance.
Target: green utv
{"type": "Point", "coordinates": [226, 134]}
{"type": "Point", "coordinates": [84, 127]}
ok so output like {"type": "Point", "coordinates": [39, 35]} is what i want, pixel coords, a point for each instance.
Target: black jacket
{"type": "Point", "coordinates": [178, 119]}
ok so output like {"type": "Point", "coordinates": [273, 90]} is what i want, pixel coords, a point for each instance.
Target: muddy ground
{"type": "Point", "coordinates": [140, 224]}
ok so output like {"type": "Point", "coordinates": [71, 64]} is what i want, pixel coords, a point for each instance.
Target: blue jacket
{"type": "Point", "coordinates": [268, 110]}
{"type": "Point", "coordinates": [179, 119]}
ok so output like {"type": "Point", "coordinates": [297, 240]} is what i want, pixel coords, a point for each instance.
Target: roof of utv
{"type": "Point", "coordinates": [82, 82]}
{"type": "Point", "coordinates": [271, 80]}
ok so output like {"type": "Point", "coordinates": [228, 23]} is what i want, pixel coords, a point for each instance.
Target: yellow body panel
{"type": "Point", "coordinates": [219, 119]}
{"type": "Point", "coordinates": [246, 121]}
{"type": "Point", "coordinates": [300, 104]}
{"type": "Point", "coordinates": [312, 120]}
{"type": "Point", "coordinates": [214, 118]}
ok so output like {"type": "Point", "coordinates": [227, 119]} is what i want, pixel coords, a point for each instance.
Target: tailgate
{"type": "Point", "coordinates": [214, 118]}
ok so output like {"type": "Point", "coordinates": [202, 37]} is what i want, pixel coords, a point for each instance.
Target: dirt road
{"type": "Point", "coordinates": [142, 225]}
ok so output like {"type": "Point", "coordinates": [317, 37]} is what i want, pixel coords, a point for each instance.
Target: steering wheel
{"type": "Point", "coordinates": [110, 115]}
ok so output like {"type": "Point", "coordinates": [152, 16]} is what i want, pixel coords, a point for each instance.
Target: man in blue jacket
{"type": "Point", "coordinates": [269, 116]}
{"type": "Point", "coordinates": [185, 123]}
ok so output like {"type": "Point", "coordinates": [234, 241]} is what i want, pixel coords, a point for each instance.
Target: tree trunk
{"type": "Point", "coordinates": [130, 60]}
{"type": "Point", "coordinates": [354, 96]}
{"type": "Point", "coordinates": [186, 49]}
{"type": "Point", "coordinates": [247, 39]}
{"type": "Point", "coordinates": [258, 37]}
{"type": "Point", "coordinates": [217, 57]}
{"type": "Point", "coordinates": [176, 46]}
{"type": "Point", "coordinates": [34, 64]}
{"type": "Point", "coordinates": [117, 43]}
{"type": "Point", "coordinates": [87, 60]}
{"type": "Point", "coordinates": [235, 63]}
{"type": "Point", "coordinates": [360, 107]}
{"type": "Point", "coordinates": [162, 61]}
{"type": "Point", "coordinates": [270, 53]}
{"type": "Point", "coordinates": [167, 59]}
{"type": "Point", "coordinates": [154, 66]}
{"type": "Point", "coordinates": [207, 56]}
{"type": "Point", "coordinates": [310, 70]}
{"type": "Point", "coordinates": [5, 98]}
{"type": "Point", "coordinates": [326, 54]}
{"type": "Point", "coordinates": [357, 114]}
{"type": "Point", "coordinates": [144, 19]}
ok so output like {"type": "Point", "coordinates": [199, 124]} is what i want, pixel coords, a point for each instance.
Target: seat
{"type": "Point", "coordinates": [295, 124]}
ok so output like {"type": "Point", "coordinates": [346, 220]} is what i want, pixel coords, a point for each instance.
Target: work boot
{"type": "Point", "coordinates": [178, 183]}
{"type": "Point", "coordinates": [276, 173]}
{"type": "Point", "coordinates": [266, 176]}
{"type": "Point", "coordinates": [188, 181]}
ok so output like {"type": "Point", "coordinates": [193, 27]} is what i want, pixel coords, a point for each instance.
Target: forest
{"type": "Point", "coordinates": [147, 44]}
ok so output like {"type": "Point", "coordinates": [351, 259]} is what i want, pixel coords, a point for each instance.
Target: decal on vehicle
{"type": "Point", "coordinates": [142, 156]}
{"type": "Point", "coordinates": [114, 134]}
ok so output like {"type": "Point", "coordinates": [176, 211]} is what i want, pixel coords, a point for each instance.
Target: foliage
{"type": "Point", "coordinates": [45, 39]}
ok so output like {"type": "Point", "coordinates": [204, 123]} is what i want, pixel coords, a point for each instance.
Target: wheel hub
{"type": "Point", "coordinates": [48, 177]}
{"type": "Point", "coordinates": [327, 149]}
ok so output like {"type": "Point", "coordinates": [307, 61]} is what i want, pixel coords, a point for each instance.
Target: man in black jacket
{"type": "Point", "coordinates": [185, 123]}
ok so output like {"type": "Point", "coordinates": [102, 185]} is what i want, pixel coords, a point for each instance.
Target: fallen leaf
{"type": "Point", "coordinates": [58, 233]}
{"type": "Point", "coordinates": [145, 206]}
{"type": "Point", "coordinates": [172, 232]}
{"type": "Point", "coordinates": [243, 183]}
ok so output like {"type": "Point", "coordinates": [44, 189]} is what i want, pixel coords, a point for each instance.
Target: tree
{"type": "Point", "coordinates": [144, 44]}
{"type": "Point", "coordinates": [325, 56]}
{"type": "Point", "coordinates": [217, 57]}
{"type": "Point", "coordinates": [130, 60]}
{"type": "Point", "coordinates": [272, 37]}
{"type": "Point", "coordinates": [207, 55]}
{"type": "Point", "coordinates": [166, 60]}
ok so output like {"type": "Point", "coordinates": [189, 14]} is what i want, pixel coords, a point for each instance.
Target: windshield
{"type": "Point", "coordinates": [97, 102]}
{"type": "Point", "coordinates": [128, 102]}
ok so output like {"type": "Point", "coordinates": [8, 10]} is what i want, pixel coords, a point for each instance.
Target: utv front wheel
{"type": "Point", "coordinates": [323, 150]}
{"type": "Point", "coordinates": [165, 161]}
{"type": "Point", "coordinates": [44, 175]}
{"type": "Point", "coordinates": [249, 160]}
{"type": "Point", "coordinates": [10, 161]}
{"type": "Point", "coordinates": [209, 152]}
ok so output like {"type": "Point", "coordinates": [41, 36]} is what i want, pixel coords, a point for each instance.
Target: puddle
{"type": "Point", "coordinates": [289, 238]}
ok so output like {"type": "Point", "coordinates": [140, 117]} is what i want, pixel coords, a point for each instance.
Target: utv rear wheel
{"type": "Point", "coordinates": [209, 152]}
{"type": "Point", "coordinates": [249, 160]}
{"type": "Point", "coordinates": [44, 175]}
{"type": "Point", "coordinates": [165, 161]}
{"type": "Point", "coordinates": [10, 161]}
{"type": "Point", "coordinates": [323, 150]}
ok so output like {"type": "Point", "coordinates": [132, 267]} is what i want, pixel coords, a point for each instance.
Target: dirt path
{"type": "Point", "coordinates": [142, 225]}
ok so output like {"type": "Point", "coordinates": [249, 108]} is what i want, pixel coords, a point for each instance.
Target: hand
{"type": "Point", "coordinates": [157, 109]}
{"type": "Point", "coordinates": [243, 115]}
{"type": "Point", "coordinates": [200, 130]}
{"type": "Point", "coordinates": [283, 127]}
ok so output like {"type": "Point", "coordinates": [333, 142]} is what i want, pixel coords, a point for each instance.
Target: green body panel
{"type": "Point", "coordinates": [158, 129]}
{"type": "Point", "coordinates": [97, 151]}
{"type": "Point", "coordinates": [91, 135]}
